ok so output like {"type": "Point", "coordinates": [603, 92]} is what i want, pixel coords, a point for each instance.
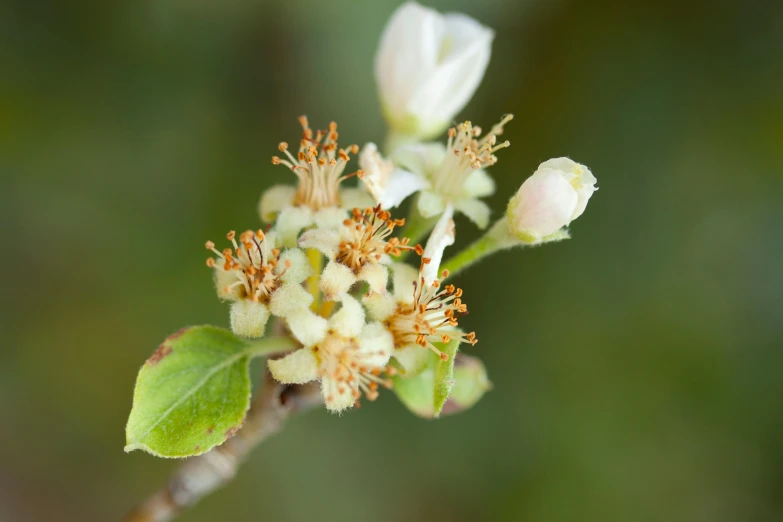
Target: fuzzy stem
{"type": "Point", "coordinates": [199, 476]}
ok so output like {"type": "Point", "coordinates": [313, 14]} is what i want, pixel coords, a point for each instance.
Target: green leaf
{"type": "Point", "coordinates": [470, 383]}
{"type": "Point", "coordinates": [193, 392]}
{"type": "Point", "coordinates": [416, 392]}
{"type": "Point", "coordinates": [444, 375]}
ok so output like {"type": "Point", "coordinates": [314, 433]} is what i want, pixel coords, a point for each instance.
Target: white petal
{"type": "Point", "coordinates": [351, 198]}
{"type": "Point", "coordinates": [308, 328]}
{"type": "Point", "coordinates": [297, 367]}
{"type": "Point", "coordinates": [430, 204]}
{"type": "Point", "coordinates": [376, 276]}
{"type": "Point", "coordinates": [388, 185]}
{"type": "Point", "coordinates": [413, 358]}
{"type": "Point", "coordinates": [330, 218]}
{"type": "Point", "coordinates": [479, 184]}
{"type": "Point", "coordinates": [407, 54]}
{"type": "Point", "coordinates": [349, 319]}
{"type": "Point", "coordinates": [224, 279]}
{"type": "Point", "coordinates": [401, 185]}
{"type": "Point", "coordinates": [288, 298]}
{"type": "Point", "coordinates": [336, 280]}
{"type": "Point", "coordinates": [337, 396]}
{"type": "Point", "coordinates": [380, 306]}
{"type": "Point", "coordinates": [375, 345]}
{"type": "Point", "coordinates": [475, 209]}
{"type": "Point", "coordinates": [403, 278]}
{"type": "Point", "coordinates": [420, 158]}
{"type": "Point", "coordinates": [442, 236]}
{"type": "Point", "coordinates": [248, 318]}
{"type": "Point", "coordinates": [291, 221]}
{"type": "Point", "coordinates": [327, 241]}
{"type": "Point", "coordinates": [294, 265]}
{"type": "Point", "coordinates": [451, 85]}
{"type": "Point", "coordinates": [275, 199]}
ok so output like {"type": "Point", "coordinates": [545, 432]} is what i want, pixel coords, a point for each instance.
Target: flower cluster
{"type": "Point", "coordinates": [332, 266]}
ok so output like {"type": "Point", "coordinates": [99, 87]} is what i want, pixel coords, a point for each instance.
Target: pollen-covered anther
{"type": "Point", "coordinates": [250, 264]}
{"type": "Point", "coordinates": [468, 152]}
{"type": "Point", "coordinates": [366, 237]}
{"type": "Point", "coordinates": [432, 316]}
{"type": "Point", "coordinates": [319, 164]}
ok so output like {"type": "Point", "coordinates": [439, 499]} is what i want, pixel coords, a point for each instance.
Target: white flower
{"type": "Point", "coordinates": [428, 66]}
{"type": "Point", "coordinates": [259, 280]}
{"type": "Point", "coordinates": [452, 175]}
{"type": "Point", "coordinates": [556, 194]}
{"type": "Point", "coordinates": [357, 251]}
{"type": "Point", "coordinates": [319, 199]}
{"type": "Point", "coordinates": [421, 311]}
{"type": "Point", "coordinates": [347, 355]}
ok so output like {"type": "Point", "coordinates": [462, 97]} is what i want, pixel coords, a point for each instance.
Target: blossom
{"type": "Point", "coordinates": [556, 194]}
{"type": "Point", "coordinates": [428, 66]}
{"type": "Point", "coordinates": [452, 175]}
{"type": "Point", "coordinates": [259, 280]}
{"type": "Point", "coordinates": [347, 355]}
{"type": "Point", "coordinates": [319, 199]}
{"type": "Point", "coordinates": [357, 250]}
{"type": "Point", "coordinates": [421, 310]}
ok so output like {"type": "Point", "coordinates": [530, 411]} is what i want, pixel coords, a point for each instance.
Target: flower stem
{"type": "Point", "coordinates": [269, 345]}
{"type": "Point", "coordinates": [317, 262]}
{"type": "Point", "coordinates": [199, 476]}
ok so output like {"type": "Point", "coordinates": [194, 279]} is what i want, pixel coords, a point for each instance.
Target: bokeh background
{"type": "Point", "coordinates": [637, 368]}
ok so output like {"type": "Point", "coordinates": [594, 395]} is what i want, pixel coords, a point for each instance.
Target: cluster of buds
{"type": "Point", "coordinates": [331, 267]}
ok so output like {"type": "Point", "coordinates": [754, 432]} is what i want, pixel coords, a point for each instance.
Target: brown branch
{"type": "Point", "coordinates": [199, 476]}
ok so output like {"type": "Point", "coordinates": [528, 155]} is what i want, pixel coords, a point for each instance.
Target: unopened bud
{"type": "Point", "coordinates": [556, 194]}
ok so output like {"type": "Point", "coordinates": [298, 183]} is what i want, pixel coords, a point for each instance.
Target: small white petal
{"type": "Point", "coordinates": [330, 218]}
{"type": "Point", "coordinates": [380, 306]}
{"type": "Point", "coordinates": [274, 200]}
{"type": "Point", "coordinates": [308, 328]}
{"type": "Point", "coordinates": [297, 367]}
{"type": "Point", "coordinates": [337, 396]}
{"type": "Point", "coordinates": [291, 221]}
{"type": "Point", "coordinates": [441, 237]}
{"type": "Point", "coordinates": [420, 158]}
{"type": "Point", "coordinates": [288, 298]}
{"type": "Point", "coordinates": [224, 279]}
{"type": "Point", "coordinates": [403, 278]}
{"type": "Point", "coordinates": [376, 276]}
{"type": "Point", "coordinates": [479, 184]}
{"type": "Point", "coordinates": [326, 241]}
{"type": "Point", "coordinates": [413, 358]}
{"type": "Point", "coordinates": [430, 204]}
{"type": "Point", "coordinates": [351, 198]}
{"type": "Point", "coordinates": [336, 280]}
{"type": "Point", "coordinates": [349, 319]}
{"type": "Point", "coordinates": [476, 210]}
{"type": "Point", "coordinates": [408, 52]}
{"type": "Point", "coordinates": [248, 318]}
{"type": "Point", "coordinates": [294, 265]}
{"type": "Point", "coordinates": [448, 89]}
{"type": "Point", "coordinates": [375, 345]}
{"type": "Point", "coordinates": [388, 185]}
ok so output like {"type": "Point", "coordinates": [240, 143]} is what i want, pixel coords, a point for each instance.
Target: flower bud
{"type": "Point", "coordinates": [428, 66]}
{"type": "Point", "coordinates": [470, 385]}
{"type": "Point", "coordinates": [556, 194]}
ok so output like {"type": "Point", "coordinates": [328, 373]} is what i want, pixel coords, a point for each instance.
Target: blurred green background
{"type": "Point", "coordinates": [637, 367]}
